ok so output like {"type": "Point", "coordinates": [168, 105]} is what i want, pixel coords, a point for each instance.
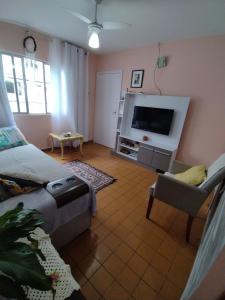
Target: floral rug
{"type": "Point", "coordinates": [96, 178]}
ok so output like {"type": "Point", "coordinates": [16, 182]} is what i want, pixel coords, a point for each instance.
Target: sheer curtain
{"type": "Point", "coordinates": [6, 116]}
{"type": "Point", "coordinates": [69, 71]}
{"type": "Point", "coordinates": [210, 249]}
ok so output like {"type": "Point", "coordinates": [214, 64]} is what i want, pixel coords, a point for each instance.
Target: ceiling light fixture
{"type": "Point", "coordinates": [94, 40]}
{"type": "Point", "coordinates": [95, 27]}
{"type": "Point", "coordinates": [94, 30]}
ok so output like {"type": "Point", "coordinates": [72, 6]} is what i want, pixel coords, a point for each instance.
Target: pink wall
{"type": "Point", "coordinates": [36, 128]}
{"type": "Point", "coordinates": [196, 68]}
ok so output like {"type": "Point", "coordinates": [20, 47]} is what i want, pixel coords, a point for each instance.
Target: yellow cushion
{"type": "Point", "coordinates": [193, 176]}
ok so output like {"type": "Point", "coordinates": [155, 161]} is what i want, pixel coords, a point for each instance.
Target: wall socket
{"type": "Point", "coordinates": [161, 62]}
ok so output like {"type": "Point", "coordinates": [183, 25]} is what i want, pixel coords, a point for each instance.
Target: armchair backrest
{"type": "Point", "coordinates": [215, 174]}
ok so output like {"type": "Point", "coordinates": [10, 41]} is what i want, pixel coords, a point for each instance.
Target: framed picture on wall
{"type": "Point", "coordinates": [137, 78]}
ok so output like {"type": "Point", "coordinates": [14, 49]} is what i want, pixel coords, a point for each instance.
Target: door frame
{"type": "Point", "coordinates": [119, 71]}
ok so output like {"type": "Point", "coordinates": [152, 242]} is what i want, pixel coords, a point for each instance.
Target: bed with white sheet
{"type": "Point", "coordinates": [63, 223]}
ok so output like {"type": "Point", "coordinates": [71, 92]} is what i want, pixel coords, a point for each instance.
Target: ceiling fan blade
{"type": "Point", "coordinates": [79, 16]}
{"type": "Point", "coordinates": [115, 25]}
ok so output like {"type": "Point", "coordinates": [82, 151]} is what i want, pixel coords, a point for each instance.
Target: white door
{"type": "Point", "coordinates": [108, 90]}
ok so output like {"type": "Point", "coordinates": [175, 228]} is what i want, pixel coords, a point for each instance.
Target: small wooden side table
{"type": "Point", "coordinates": [62, 139]}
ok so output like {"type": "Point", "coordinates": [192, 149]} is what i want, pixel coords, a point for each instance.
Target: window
{"type": "Point", "coordinates": [28, 84]}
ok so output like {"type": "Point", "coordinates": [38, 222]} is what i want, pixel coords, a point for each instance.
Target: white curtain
{"type": "Point", "coordinates": [70, 105]}
{"type": "Point", "coordinates": [6, 116]}
{"type": "Point", "coordinates": [212, 245]}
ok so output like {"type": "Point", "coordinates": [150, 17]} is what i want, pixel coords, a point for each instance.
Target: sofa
{"type": "Point", "coordinates": [62, 223]}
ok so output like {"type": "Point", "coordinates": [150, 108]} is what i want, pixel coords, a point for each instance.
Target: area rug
{"type": "Point", "coordinates": [96, 178]}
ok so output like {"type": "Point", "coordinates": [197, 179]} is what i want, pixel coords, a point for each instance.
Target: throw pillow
{"type": "Point", "coordinates": [194, 176]}
{"type": "Point", "coordinates": [11, 137]}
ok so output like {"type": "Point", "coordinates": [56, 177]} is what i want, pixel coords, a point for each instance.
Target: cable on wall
{"type": "Point", "coordinates": [155, 81]}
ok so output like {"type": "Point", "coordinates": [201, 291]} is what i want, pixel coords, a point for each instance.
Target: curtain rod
{"type": "Point", "coordinates": [72, 44]}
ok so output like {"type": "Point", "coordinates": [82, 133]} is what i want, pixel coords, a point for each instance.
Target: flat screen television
{"type": "Point", "coordinates": [153, 119]}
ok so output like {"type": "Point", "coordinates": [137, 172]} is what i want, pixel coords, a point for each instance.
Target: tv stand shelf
{"type": "Point", "coordinates": [154, 156]}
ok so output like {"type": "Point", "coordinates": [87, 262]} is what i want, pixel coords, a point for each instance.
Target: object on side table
{"type": "Point", "coordinates": [63, 139]}
{"type": "Point", "coordinates": [145, 138]}
{"type": "Point", "coordinates": [67, 134]}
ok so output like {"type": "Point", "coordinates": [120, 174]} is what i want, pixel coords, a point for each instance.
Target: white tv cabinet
{"type": "Point", "coordinates": [155, 156]}
{"type": "Point", "coordinates": [160, 150]}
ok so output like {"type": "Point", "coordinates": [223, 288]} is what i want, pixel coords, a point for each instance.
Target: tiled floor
{"type": "Point", "coordinates": [125, 256]}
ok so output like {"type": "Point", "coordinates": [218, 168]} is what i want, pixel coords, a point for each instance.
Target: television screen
{"type": "Point", "coordinates": [152, 119]}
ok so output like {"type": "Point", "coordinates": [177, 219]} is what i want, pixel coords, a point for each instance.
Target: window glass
{"type": "Point", "coordinates": [9, 81]}
{"type": "Point", "coordinates": [33, 89]}
{"type": "Point", "coordinates": [18, 67]}
{"type": "Point", "coordinates": [21, 95]}
{"type": "Point", "coordinates": [47, 73]}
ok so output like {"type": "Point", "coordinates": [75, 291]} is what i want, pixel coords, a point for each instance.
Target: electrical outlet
{"type": "Point", "coordinates": [161, 62]}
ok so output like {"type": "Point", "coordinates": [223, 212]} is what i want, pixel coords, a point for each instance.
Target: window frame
{"type": "Point", "coordinates": [22, 57]}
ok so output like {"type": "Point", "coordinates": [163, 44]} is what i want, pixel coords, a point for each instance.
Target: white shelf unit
{"type": "Point", "coordinates": [127, 147]}
{"type": "Point", "coordinates": [159, 151]}
{"type": "Point", "coordinates": [120, 112]}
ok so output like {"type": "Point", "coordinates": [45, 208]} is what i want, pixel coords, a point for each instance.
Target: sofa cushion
{"type": "Point", "coordinates": [194, 176]}
{"type": "Point", "coordinates": [11, 137]}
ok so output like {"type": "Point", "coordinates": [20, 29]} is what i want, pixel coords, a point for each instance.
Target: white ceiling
{"type": "Point", "coordinates": [151, 20]}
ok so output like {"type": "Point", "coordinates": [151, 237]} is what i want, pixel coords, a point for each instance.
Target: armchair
{"type": "Point", "coordinates": [186, 197]}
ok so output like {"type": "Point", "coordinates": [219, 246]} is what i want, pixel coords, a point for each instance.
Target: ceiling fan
{"type": "Point", "coordinates": [94, 27]}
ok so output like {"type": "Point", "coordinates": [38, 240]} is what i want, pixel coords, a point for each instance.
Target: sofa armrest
{"type": "Point", "coordinates": [180, 195]}
{"type": "Point", "coordinates": [178, 167]}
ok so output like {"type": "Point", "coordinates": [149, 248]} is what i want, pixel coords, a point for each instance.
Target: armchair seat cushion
{"type": "Point", "coordinates": [194, 176]}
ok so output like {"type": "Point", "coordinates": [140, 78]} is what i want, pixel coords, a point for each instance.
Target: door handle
{"type": "Point", "coordinates": [114, 112]}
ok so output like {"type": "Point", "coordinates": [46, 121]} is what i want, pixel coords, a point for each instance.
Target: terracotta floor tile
{"type": "Point", "coordinates": [80, 277]}
{"type": "Point", "coordinates": [120, 216]}
{"type": "Point", "coordinates": [141, 233]}
{"type": "Point", "coordinates": [128, 223]}
{"type": "Point", "coordinates": [133, 241]}
{"type": "Point", "coordinates": [78, 252]}
{"type": "Point", "coordinates": [168, 249]}
{"type": "Point", "coordinates": [124, 252]}
{"type": "Point", "coordinates": [101, 252]}
{"type": "Point", "coordinates": [89, 292]}
{"type": "Point", "coordinates": [112, 241]}
{"type": "Point", "coordinates": [90, 240]}
{"type": "Point", "coordinates": [154, 228]}
{"type": "Point", "coordinates": [178, 276]}
{"type": "Point", "coordinates": [159, 297]}
{"type": "Point", "coordinates": [145, 252]}
{"type": "Point", "coordinates": [101, 216]}
{"type": "Point", "coordinates": [160, 263]}
{"type": "Point", "coordinates": [137, 264]}
{"type": "Point", "coordinates": [153, 241]}
{"type": "Point", "coordinates": [101, 232]}
{"type": "Point", "coordinates": [111, 224]}
{"type": "Point", "coordinates": [144, 292]}
{"type": "Point", "coordinates": [128, 279]}
{"type": "Point", "coordinates": [153, 278]}
{"type": "Point", "coordinates": [89, 266]}
{"type": "Point", "coordinates": [122, 232]}
{"type": "Point", "coordinates": [114, 265]}
{"type": "Point", "coordinates": [116, 292]}
{"type": "Point", "coordinates": [101, 280]}
{"type": "Point", "coordinates": [183, 262]}
{"type": "Point", "coordinates": [170, 292]}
